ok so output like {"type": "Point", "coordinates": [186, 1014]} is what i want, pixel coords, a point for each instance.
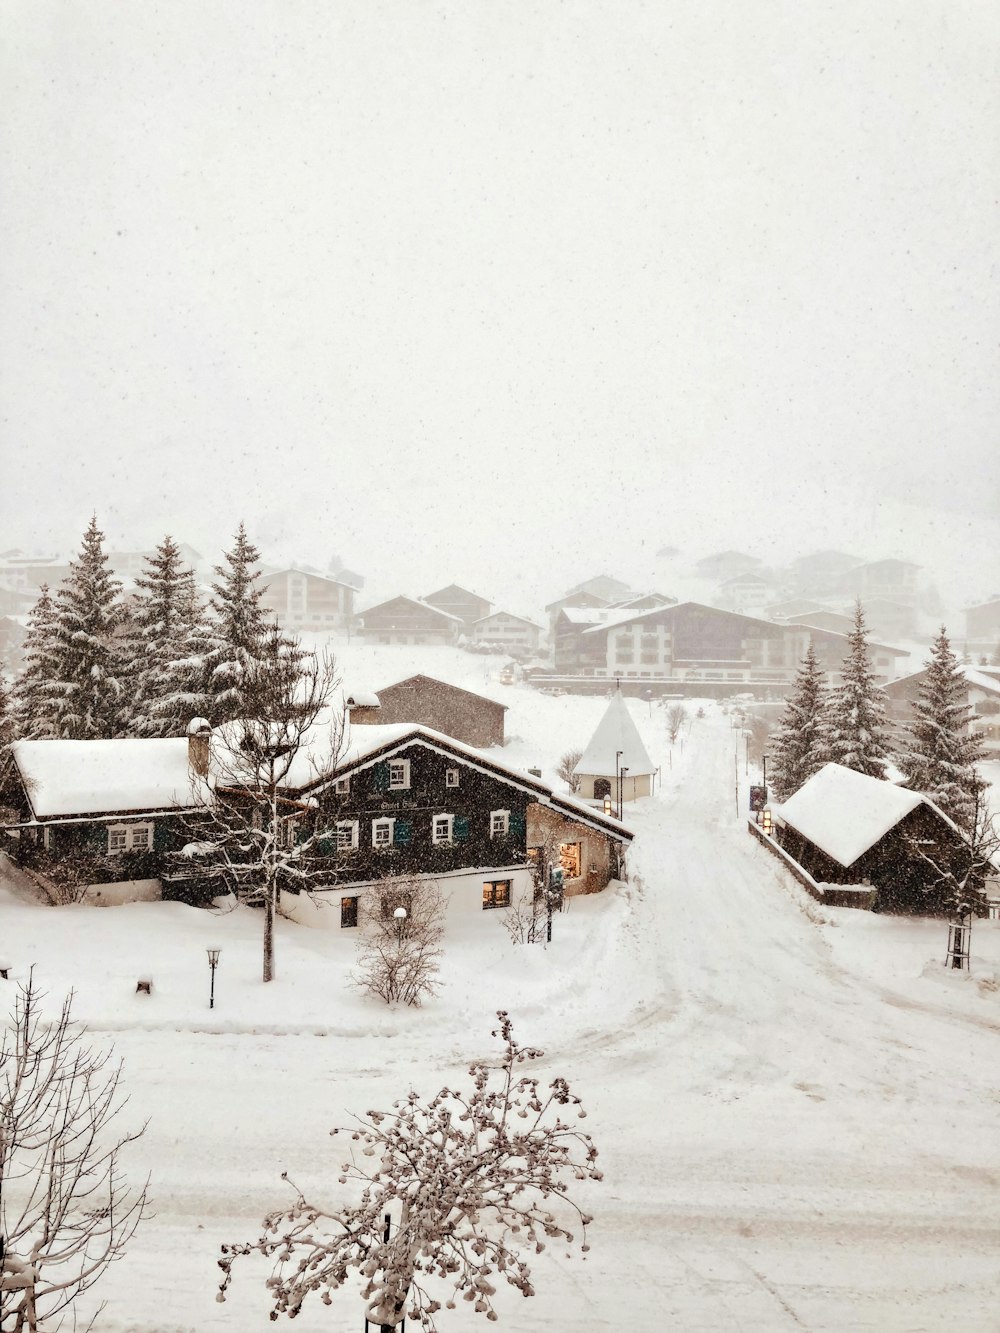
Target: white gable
{"type": "Point", "coordinates": [615, 732]}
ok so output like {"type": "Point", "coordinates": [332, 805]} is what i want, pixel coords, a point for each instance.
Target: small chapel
{"type": "Point", "coordinates": [615, 761]}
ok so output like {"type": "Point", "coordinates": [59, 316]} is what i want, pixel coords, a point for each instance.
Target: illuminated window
{"type": "Point", "coordinates": [348, 912]}
{"type": "Point", "coordinates": [570, 859]}
{"type": "Point", "coordinates": [496, 893]}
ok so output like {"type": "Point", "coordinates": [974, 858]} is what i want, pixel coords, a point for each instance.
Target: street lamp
{"type": "Point", "coordinates": [213, 962]}
{"type": "Point", "coordinates": [618, 785]}
{"type": "Point", "coordinates": [621, 789]}
{"type": "Point", "coordinates": [400, 915]}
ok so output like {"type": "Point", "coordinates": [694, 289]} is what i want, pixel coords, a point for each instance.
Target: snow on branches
{"type": "Point", "coordinates": [454, 1192]}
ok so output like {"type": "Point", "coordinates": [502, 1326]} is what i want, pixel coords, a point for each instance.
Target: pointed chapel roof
{"type": "Point", "coordinates": [615, 731]}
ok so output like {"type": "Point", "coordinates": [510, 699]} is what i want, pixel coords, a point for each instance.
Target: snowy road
{"type": "Point", "coordinates": [790, 1140]}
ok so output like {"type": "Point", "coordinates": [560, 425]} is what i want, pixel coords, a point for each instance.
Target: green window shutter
{"type": "Point", "coordinates": [460, 829]}
{"type": "Point", "coordinates": [97, 837]}
{"type": "Point", "coordinates": [161, 836]}
{"type": "Point", "coordinates": [325, 846]}
{"type": "Point", "coordinates": [381, 777]}
{"type": "Point", "coordinates": [515, 824]}
{"type": "Point", "coordinates": [402, 833]}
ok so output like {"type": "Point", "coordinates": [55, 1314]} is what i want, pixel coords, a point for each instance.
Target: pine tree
{"type": "Point", "coordinates": [166, 621]}
{"type": "Point", "coordinates": [801, 745]}
{"type": "Point", "coordinates": [239, 632]}
{"type": "Point", "coordinates": [856, 715]}
{"type": "Point", "coordinates": [941, 751]}
{"type": "Point", "coordinates": [90, 666]}
{"type": "Point", "coordinates": [34, 709]}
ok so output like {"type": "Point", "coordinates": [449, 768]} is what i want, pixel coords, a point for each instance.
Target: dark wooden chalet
{"type": "Point", "coordinates": [843, 827]}
{"type": "Point", "coordinates": [410, 801]}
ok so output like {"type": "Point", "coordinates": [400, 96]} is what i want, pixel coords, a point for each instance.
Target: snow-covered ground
{"type": "Point", "coordinates": [795, 1106]}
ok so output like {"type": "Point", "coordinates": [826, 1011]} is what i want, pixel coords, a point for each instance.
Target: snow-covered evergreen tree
{"type": "Point", "coordinates": [169, 640]}
{"type": "Point", "coordinates": [856, 713]}
{"type": "Point", "coordinates": [34, 709]}
{"type": "Point", "coordinates": [941, 751]}
{"type": "Point", "coordinates": [801, 746]}
{"type": "Point", "coordinates": [240, 630]}
{"type": "Point", "coordinates": [90, 663]}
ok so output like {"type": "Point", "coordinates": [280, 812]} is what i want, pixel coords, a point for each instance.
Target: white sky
{"type": "Point", "coordinates": [463, 290]}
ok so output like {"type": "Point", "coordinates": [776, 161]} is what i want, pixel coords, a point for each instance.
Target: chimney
{"type": "Point", "coordinates": [199, 734]}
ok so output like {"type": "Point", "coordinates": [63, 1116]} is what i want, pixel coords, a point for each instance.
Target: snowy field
{"type": "Point", "coordinates": [796, 1107]}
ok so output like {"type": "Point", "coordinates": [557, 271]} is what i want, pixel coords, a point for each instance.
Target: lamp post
{"type": "Point", "coordinates": [213, 962]}
{"type": "Point", "coordinates": [618, 785]}
{"type": "Point", "coordinates": [621, 789]}
{"type": "Point", "coordinates": [400, 915]}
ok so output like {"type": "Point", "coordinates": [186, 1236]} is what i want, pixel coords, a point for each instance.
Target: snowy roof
{"type": "Point", "coordinates": [308, 571]}
{"type": "Point", "coordinates": [616, 744]}
{"type": "Point", "coordinates": [590, 615]}
{"type": "Point", "coordinates": [982, 679]}
{"type": "Point", "coordinates": [103, 776]}
{"type": "Point", "coordinates": [413, 601]}
{"type": "Point", "coordinates": [444, 684]}
{"type": "Point", "coordinates": [845, 813]}
{"type": "Point", "coordinates": [509, 615]}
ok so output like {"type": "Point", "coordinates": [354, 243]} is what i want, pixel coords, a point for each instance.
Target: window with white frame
{"type": "Point", "coordinates": [499, 823]}
{"type": "Point", "coordinates": [399, 774]}
{"type": "Point", "coordinates": [342, 786]}
{"type": "Point", "coordinates": [382, 832]}
{"type": "Point", "coordinates": [287, 831]}
{"type": "Point", "coordinates": [129, 838]}
{"type": "Point", "coordinates": [451, 777]}
{"type": "Point", "coordinates": [442, 827]}
{"type": "Point", "coordinates": [347, 835]}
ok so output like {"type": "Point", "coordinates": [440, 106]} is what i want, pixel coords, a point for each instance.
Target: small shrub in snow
{"type": "Point", "coordinates": [567, 763]}
{"type": "Point", "coordinates": [399, 957]}
{"type": "Point", "coordinates": [472, 1180]}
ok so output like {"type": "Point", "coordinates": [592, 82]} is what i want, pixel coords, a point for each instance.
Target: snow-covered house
{"type": "Point", "coordinates": [115, 808]}
{"type": "Point", "coordinates": [426, 701]}
{"type": "Point", "coordinates": [306, 599]}
{"type": "Point", "coordinates": [982, 628]}
{"type": "Point", "coordinates": [615, 758]}
{"type": "Point", "coordinates": [507, 633]}
{"type": "Point", "coordinates": [843, 827]}
{"type": "Point", "coordinates": [406, 800]}
{"type": "Point", "coordinates": [409, 620]}
{"type": "Point", "coordinates": [467, 606]}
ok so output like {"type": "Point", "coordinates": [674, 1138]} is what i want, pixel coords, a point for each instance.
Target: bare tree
{"type": "Point", "coordinates": [470, 1179]}
{"type": "Point", "coordinates": [250, 827]}
{"type": "Point", "coordinates": [676, 717]}
{"type": "Point", "coordinates": [523, 919]}
{"type": "Point", "coordinates": [66, 1209]}
{"type": "Point", "coordinates": [958, 872]}
{"type": "Point", "coordinates": [399, 946]}
{"type": "Point", "coordinates": [567, 764]}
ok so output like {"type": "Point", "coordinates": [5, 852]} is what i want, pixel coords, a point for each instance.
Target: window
{"type": "Point", "coordinates": [499, 823]}
{"type": "Point", "coordinates": [347, 835]}
{"type": "Point", "coordinates": [570, 859]}
{"type": "Point", "coordinates": [451, 777]}
{"type": "Point", "coordinates": [496, 893]}
{"type": "Point", "coordinates": [287, 832]}
{"type": "Point", "coordinates": [399, 774]}
{"type": "Point", "coordinates": [129, 838]}
{"type": "Point", "coordinates": [442, 828]}
{"type": "Point", "coordinates": [348, 912]}
{"type": "Point", "coordinates": [382, 832]}
{"type": "Point", "coordinates": [342, 786]}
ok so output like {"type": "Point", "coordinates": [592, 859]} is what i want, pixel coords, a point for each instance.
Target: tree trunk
{"type": "Point", "coordinates": [269, 934]}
